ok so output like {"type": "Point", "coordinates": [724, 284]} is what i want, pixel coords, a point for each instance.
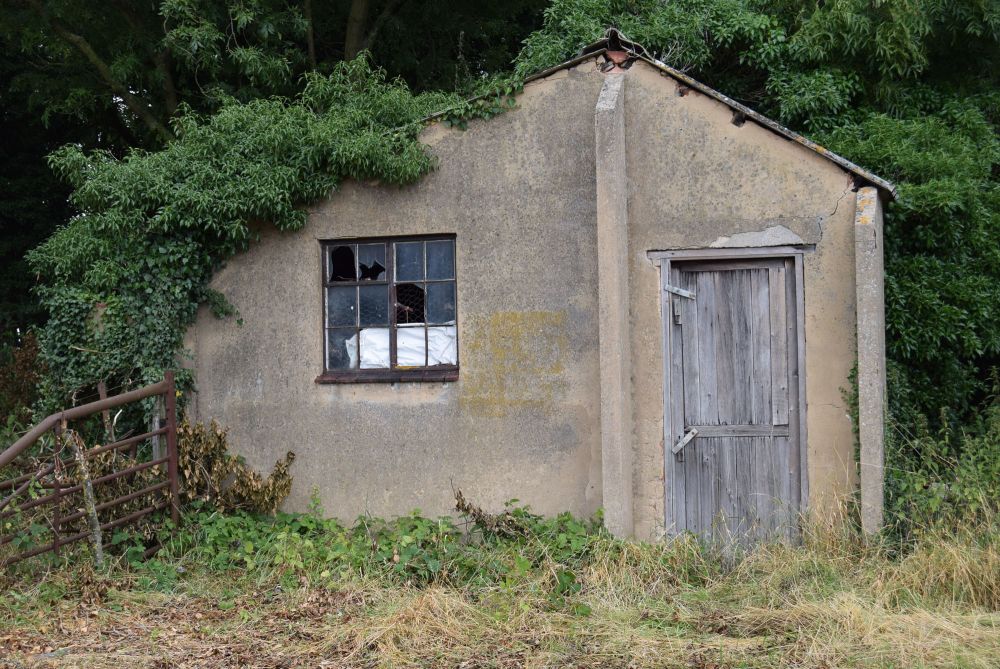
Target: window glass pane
{"type": "Point", "coordinates": [409, 303]}
{"type": "Point", "coordinates": [441, 302]}
{"type": "Point", "coordinates": [371, 262]}
{"type": "Point", "coordinates": [342, 265]}
{"type": "Point", "coordinates": [441, 259]}
{"type": "Point", "coordinates": [341, 306]}
{"type": "Point", "coordinates": [341, 349]}
{"type": "Point", "coordinates": [409, 261]}
{"type": "Point", "coordinates": [374, 305]}
{"type": "Point", "coordinates": [411, 348]}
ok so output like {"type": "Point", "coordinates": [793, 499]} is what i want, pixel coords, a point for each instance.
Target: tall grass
{"type": "Point", "coordinates": [541, 593]}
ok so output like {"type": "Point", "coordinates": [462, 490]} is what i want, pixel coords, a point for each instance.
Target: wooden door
{"type": "Point", "coordinates": [733, 466]}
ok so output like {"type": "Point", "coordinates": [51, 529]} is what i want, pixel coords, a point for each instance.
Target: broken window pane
{"type": "Point", "coordinates": [441, 259]}
{"type": "Point", "coordinates": [409, 303]}
{"type": "Point", "coordinates": [342, 266]}
{"type": "Point", "coordinates": [371, 262]}
{"type": "Point", "coordinates": [411, 348]}
{"type": "Point", "coordinates": [374, 348]}
{"type": "Point", "coordinates": [374, 305]}
{"type": "Point", "coordinates": [341, 306]}
{"type": "Point", "coordinates": [409, 261]}
{"type": "Point", "coordinates": [441, 302]}
{"type": "Point", "coordinates": [341, 349]}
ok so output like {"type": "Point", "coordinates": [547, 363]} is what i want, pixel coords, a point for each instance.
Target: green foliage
{"type": "Point", "coordinates": [410, 549]}
{"type": "Point", "coordinates": [945, 478]}
{"type": "Point", "coordinates": [123, 280]}
{"type": "Point", "coordinates": [942, 259]}
{"type": "Point", "coordinates": [112, 78]}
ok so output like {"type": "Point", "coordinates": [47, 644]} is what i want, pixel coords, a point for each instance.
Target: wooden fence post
{"type": "Point", "coordinates": [170, 403]}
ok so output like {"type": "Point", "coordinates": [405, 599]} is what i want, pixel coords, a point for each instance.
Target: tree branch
{"type": "Point", "coordinates": [310, 35]}
{"type": "Point", "coordinates": [356, 20]}
{"type": "Point", "coordinates": [390, 8]}
{"type": "Point", "coordinates": [135, 105]}
{"type": "Point", "coordinates": [164, 65]}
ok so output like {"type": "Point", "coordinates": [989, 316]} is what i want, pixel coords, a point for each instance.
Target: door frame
{"type": "Point", "coordinates": [662, 259]}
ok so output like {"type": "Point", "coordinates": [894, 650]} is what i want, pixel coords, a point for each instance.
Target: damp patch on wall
{"type": "Point", "coordinates": [514, 360]}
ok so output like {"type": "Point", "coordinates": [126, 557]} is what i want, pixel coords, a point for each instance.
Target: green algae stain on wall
{"type": "Point", "coordinates": [514, 360]}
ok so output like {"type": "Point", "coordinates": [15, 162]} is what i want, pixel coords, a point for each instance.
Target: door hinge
{"type": "Point", "coordinates": [683, 441]}
{"type": "Point", "coordinates": [679, 291]}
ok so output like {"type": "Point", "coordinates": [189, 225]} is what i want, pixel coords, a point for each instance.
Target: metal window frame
{"type": "Point", "coordinates": [662, 259]}
{"type": "Point", "coordinates": [392, 374]}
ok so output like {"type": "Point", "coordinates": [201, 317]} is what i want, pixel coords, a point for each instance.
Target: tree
{"type": "Point", "coordinates": [112, 76]}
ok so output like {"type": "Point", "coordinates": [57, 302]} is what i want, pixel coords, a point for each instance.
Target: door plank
{"type": "Point", "coordinates": [779, 346]}
{"type": "Point", "coordinates": [727, 484]}
{"type": "Point", "coordinates": [760, 493]}
{"type": "Point", "coordinates": [760, 329]}
{"type": "Point", "coordinates": [742, 353]}
{"type": "Point", "coordinates": [694, 475]}
{"type": "Point", "coordinates": [708, 490]}
{"type": "Point", "coordinates": [725, 346]}
{"type": "Point", "coordinates": [782, 509]}
{"type": "Point", "coordinates": [715, 431]}
{"type": "Point", "coordinates": [798, 476]}
{"type": "Point", "coordinates": [682, 350]}
{"type": "Point", "coordinates": [708, 406]}
{"type": "Point", "coordinates": [690, 338]}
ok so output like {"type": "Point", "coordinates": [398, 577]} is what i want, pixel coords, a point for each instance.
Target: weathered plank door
{"type": "Point", "coordinates": [733, 466]}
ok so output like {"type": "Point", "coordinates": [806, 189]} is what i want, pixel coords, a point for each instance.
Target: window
{"type": "Point", "coordinates": [389, 310]}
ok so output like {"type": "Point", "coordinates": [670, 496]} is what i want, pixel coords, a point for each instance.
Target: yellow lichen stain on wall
{"type": "Point", "coordinates": [513, 360]}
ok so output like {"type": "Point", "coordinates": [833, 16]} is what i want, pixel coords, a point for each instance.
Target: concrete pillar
{"type": "Point", "coordinates": [612, 269]}
{"type": "Point", "coordinates": [870, 281]}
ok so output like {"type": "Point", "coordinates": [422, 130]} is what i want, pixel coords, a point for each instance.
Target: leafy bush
{"type": "Point", "coordinates": [409, 549]}
{"type": "Point", "coordinates": [949, 478]}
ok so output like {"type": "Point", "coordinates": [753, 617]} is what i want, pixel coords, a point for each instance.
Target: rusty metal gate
{"type": "Point", "coordinates": [51, 486]}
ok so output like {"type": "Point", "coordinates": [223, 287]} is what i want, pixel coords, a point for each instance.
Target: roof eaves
{"type": "Point", "coordinates": [774, 126]}
{"type": "Point", "coordinates": [620, 42]}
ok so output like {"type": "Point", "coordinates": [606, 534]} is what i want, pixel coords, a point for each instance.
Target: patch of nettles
{"type": "Point", "coordinates": [122, 281]}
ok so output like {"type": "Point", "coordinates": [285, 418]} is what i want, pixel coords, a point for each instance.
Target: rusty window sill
{"type": "Point", "coordinates": [425, 375]}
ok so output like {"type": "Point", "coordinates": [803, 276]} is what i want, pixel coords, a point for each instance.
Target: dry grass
{"type": "Point", "coordinates": [832, 602]}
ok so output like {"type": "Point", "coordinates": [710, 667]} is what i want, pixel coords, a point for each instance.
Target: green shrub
{"type": "Point", "coordinates": [945, 478]}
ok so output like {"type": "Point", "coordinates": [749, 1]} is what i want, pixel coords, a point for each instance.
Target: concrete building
{"type": "Point", "coordinates": [628, 293]}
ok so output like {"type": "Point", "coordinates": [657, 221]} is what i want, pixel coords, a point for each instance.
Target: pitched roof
{"type": "Point", "coordinates": [613, 40]}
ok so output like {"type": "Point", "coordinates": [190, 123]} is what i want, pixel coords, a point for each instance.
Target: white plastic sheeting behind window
{"type": "Point", "coordinates": [441, 348]}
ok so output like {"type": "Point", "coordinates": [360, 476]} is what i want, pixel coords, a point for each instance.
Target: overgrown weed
{"type": "Point", "coordinates": [245, 590]}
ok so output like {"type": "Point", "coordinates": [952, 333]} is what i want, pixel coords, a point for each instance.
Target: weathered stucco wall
{"type": "Point", "coordinates": [523, 420]}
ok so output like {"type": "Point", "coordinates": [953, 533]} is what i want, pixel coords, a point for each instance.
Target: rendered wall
{"type": "Point", "coordinates": [523, 420]}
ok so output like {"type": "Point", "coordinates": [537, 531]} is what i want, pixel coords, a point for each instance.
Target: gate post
{"type": "Point", "coordinates": [170, 403]}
